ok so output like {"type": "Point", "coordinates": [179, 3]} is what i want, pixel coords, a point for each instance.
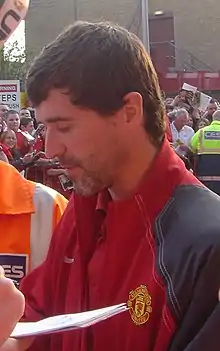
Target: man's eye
{"type": "Point", "coordinates": [63, 129]}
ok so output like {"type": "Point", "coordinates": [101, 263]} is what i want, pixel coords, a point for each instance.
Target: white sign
{"type": "Point", "coordinates": [204, 101]}
{"type": "Point", "coordinates": [189, 87]}
{"type": "Point", "coordinates": [10, 94]}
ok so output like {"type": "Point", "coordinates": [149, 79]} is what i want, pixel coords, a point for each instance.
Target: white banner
{"type": "Point", "coordinates": [10, 94]}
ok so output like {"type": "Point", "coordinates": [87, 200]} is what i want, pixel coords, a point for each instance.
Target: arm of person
{"type": "Point", "coordinates": [37, 294]}
{"type": "Point", "coordinates": [200, 327]}
{"type": "Point", "coordinates": [11, 306]}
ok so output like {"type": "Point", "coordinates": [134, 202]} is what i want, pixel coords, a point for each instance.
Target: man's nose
{"type": "Point", "coordinates": [53, 146]}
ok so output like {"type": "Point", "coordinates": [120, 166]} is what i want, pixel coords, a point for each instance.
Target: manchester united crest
{"type": "Point", "coordinates": [139, 304]}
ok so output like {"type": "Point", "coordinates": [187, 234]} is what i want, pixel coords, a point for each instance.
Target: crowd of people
{"type": "Point", "coordinates": [194, 132]}
{"type": "Point", "coordinates": [22, 143]}
{"type": "Point", "coordinates": [185, 119]}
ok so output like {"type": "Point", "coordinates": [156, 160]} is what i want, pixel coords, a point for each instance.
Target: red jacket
{"type": "Point", "coordinates": [22, 143]}
{"type": "Point", "coordinates": [145, 251]}
{"type": "Point", "coordinates": [6, 151]}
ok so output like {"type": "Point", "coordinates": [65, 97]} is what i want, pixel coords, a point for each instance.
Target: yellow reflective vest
{"type": "Point", "coordinates": [207, 140]}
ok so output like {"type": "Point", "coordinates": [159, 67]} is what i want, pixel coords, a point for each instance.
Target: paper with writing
{"type": "Point", "coordinates": [66, 322]}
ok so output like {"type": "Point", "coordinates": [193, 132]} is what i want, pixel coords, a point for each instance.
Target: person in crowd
{"type": "Point", "coordinates": [190, 122]}
{"type": "Point", "coordinates": [3, 111]}
{"type": "Point", "coordinates": [183, 100]}
{"type": "Point", "coordinates": [207, 139]}
{"type": "Point", "coordinates": [29, 213]}
{"type": "Point", "coordinates": [25, 112]}
{"type": "Point", "coordinates": [11, 306]}
{"type": "Point", "coordinates": [13, 120]}
{"type": "Point", "coordinates": [206, 144]}
{"type": "Point", "coordinates": [27, 125]}
{"type": "Point", "coordinates": [47, 171]}
{"type": "Point", "coordinates": [9, 147]}
{"type": "Point", "coordinates": [181, 132]}
{"type": "Point", "coordinates": [9, 142]}
{"type": "Point", "coordinates": [203, 122]}
{"type": "Point", "coordinates": [212, 107]}
{"type": "Point", "coordinates": [23, 139]}
{"type": "Point", "coordinates": [3, 126]}
{"type": "Point", "coordinates": [135, 229]}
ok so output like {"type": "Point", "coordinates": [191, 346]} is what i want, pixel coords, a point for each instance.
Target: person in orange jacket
{"type": "Point", "coordinates": [29, 213]}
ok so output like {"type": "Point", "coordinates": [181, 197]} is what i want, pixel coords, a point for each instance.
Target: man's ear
{"type": "Point", "coordinates": [133, 107]}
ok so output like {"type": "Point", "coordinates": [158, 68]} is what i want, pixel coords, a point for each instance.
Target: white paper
{"type": "Point", "coordinates": [27, 136]}
{"type": "Point", "coordinates": [189, 87]}
{"type": "Point", "coordinates": [66, 322]}
{"type": "Point", "coordinates": [204, 101]}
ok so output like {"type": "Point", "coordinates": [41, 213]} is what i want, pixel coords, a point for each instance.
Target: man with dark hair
{"type": "Point", "coordinates": [25, 112]}
{"type": "Point", "coordinates": [27, 125]}
{"type": "Point", "coordinates": [211, 108]}
{"type": "Point", "coordinates": [139, 228]}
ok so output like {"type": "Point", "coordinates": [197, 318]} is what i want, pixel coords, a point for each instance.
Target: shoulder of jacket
{"type": "Point", "coordinates": [192, 217]}
{"type": "Point", "coordinates": [44, 194]}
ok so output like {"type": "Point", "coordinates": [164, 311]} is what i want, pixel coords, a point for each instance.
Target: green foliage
{"type": "Point", "coordinates": [14, 63]}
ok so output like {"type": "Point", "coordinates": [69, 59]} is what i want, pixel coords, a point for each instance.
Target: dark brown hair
{"type": "Point", "coordinates": [97, 64]}
{"type": "Point", "coordinates": [25, 121]}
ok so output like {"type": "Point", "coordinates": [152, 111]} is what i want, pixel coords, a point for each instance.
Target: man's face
{"type": "Point", "coordinates": [190, 122]}
{"type": "Point", "coordinates": [183, 94]}
{"type": "Point", "coordinates": [13, 122]}
{"type": "Point", "coordinates": [25, 113]}
{"type": "Point", "coordinates": [30, 127]}
{"type": "Point", "coordinates": [181, 120]}
{"type": "Point", "coordinates": [88, 145]}
{"type": "Point", "coordinates": [212, 107]}
{"type": "Point", "coordinates": [3, 110]}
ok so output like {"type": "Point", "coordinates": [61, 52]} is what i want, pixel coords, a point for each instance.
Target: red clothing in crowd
{"type": "Point", "coordinates": [22, 143]}
{"type": "Point", "coordinates": [6, 151]}
{"type": "Point", "coordinates": [38, 145]}
{"type": "Point", "coordinates": [146, 251]}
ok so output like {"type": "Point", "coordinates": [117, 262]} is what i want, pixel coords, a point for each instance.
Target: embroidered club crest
{"type": "Point", "coordinates": [139, 303]}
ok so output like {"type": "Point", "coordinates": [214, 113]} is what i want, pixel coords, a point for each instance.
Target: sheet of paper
{"type": "Point", "coordinates": [66, 322]}
{"type": "Point", "coordinates": [189, 87]}
{"type": "Point", "coordinates": [204, 101]}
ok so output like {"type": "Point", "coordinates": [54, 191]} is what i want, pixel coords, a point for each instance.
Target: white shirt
{"type": "Point", "coordinates": [183, 136]}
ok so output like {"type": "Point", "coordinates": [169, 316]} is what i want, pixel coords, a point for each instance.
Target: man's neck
{"type": "Point", "coordinates": [131, 175]}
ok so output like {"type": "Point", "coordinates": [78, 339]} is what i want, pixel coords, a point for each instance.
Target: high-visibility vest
{"type": "Point", "coordinates": [207, 139]}
{"type": "Point", "coordinates": [29, 212]}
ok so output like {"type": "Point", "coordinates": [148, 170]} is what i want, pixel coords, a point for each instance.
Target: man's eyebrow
{"type": "Point", "coordinates": [56, 119]}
